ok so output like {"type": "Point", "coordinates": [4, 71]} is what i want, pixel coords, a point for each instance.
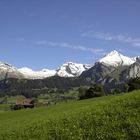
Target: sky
{"type": "Point", "coordinates": [47, 33]}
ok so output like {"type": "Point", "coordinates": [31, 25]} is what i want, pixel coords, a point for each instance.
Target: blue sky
{"type": "Point", "coordinates": [46, 33]}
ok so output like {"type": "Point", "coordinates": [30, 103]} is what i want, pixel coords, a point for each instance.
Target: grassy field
{"type": "Point", "coordinates": [105, 118]}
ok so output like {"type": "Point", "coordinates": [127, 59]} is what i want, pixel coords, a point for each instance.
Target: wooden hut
{"type": "Point", "coordinates": [23, 103]}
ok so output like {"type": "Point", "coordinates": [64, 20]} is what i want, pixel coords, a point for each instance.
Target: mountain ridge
{"type": "Point", "coordinates": [104, 66]}
{"type": "Point", "coordinates": [113, 68]}
{"type": "Point", "coordinates": [114, 58]}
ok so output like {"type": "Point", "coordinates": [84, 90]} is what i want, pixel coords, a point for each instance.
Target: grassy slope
{"type": "Point", "coordinates": [112, 117]}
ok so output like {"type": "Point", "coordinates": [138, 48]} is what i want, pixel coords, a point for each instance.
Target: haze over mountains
{"type": "Point", "coordinates": [112, 66]}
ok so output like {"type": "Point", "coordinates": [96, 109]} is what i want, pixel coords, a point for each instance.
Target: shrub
{"type": "Point", "coordinates": [94, 91]}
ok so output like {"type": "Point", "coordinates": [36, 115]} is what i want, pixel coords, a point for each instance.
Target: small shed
{"type": "Point", "coordinates": [23, 103]}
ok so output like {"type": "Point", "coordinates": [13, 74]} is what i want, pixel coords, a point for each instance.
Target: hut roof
{"type": "Point", "coordinates": [24, 102]}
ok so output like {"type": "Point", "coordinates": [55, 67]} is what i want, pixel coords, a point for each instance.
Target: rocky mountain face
{"type": "Point", "coordinates": [8, 71]}
{"type": "Point", "coordinates": [113, 68]}
{"type": "Point", "coordinates": [136, 59]}
{"type": "Point", "coordinates": [132, 71]}
{"type": "Point", "coordinates": [68, 69]}
{"type": "Point", "coordinates": [98, 72]}
{"type": "Point", "coordinates": [71, 69]}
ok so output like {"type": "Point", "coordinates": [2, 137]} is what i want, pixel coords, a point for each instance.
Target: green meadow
{"type": "Point", "coordinates": [114, 117]}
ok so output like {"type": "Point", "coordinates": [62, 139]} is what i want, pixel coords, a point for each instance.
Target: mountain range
{"type": "Point", "coordinates": [113, 67]}
{"type": "Point", "coordinates": [68, 69]}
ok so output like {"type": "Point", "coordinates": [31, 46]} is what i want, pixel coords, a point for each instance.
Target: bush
{"type": "Point", "coordinates": [94, 91]}
{"type": "Point", "coordinates": [134, 84]}
{"type": "Point", "coordinates": [82, 91]}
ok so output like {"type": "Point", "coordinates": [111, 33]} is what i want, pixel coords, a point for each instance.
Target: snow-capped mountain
{"type": "Point", "coordinates": [114, 58]}
{"type": "Point", "coordinates": [71, 69]}
{"type": "Point", "coordinates": [136, 59]}
{"type": "Point", "coordinates": [111, 68]}
{"type": "Point", "coordinates": [8, 71]}
{"type": "Point", "coordinates": [104, 65]}
{"type": "Point", "coordinates": [30, 74]}
{"type": "Point", "coordinates": [68, 69]}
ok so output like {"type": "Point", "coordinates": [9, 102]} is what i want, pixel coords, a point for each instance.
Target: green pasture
{"type": "Point", "coordinates": [115, 117]}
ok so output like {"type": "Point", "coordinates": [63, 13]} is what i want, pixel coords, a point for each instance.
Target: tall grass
{"type": "Point", "coordinates": [104, 118]}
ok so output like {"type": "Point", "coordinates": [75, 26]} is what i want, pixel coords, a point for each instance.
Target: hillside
{"type": "Point", "coordinates": [108, 117]}
{"type": "Point", "coordinates": [36, 87]}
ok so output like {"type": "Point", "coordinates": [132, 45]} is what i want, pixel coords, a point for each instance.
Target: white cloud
{"type": "Point", "coordinates": [110, 37]}
{"type": "Point", "coordinates": [67, 45]}
{"type": "Point", "coordinates": [136, 44]}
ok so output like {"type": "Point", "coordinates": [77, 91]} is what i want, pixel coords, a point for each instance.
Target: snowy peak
{"type": "Point", "coordinates": [8, 71]}
{"type": "Point", "coordinates": [70, 69]}
{"type": "Point", "coordinates": [114, 58]}
{"type": "Point", "coordinates": [30, 74]}
{"type": "Point", "coordinates": [7, 67]}
{"type": "Point", "coordinates": [25, 70]}
{"type": "Point", "coordinates": [113, 53]}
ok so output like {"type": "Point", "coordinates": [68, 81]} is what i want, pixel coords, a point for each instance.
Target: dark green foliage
{"type": "Point", "coordinates": [56, 84]}
{"type": "Point", "coordinates": [82, 91]}
{"type": "Point", "coordinates": [126, 87]}
{"type": "Point", "coordinates": [94, 91]}
{"type": "Point", "coordinates": [3, 100]}
{"type": "Point", "coordinates": [33, 88]}
{"type": "Point", "coordinates": [134, 84]}
{"type": "Point", "coordinates": [16, 107]}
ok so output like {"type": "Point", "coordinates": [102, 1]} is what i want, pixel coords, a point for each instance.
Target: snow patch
{"type": "Point", "coordinates": [114, 58]}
